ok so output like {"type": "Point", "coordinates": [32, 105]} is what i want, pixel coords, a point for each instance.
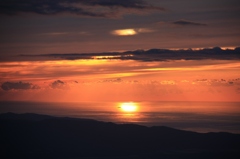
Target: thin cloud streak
{"type": "Point", "coordinates": [188, 23]}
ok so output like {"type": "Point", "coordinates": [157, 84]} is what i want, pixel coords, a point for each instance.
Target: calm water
{"type": "Point", "coordinates": [194, 116]}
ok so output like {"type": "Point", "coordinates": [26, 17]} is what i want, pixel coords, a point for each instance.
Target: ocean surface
{"type": "Point", "coordinates": [193, 116]}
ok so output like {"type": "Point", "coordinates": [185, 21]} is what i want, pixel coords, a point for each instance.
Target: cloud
{"type": "Point", "coordinates": [188, 23]}
{"type": "Point", "coordinates": [58, 84]}
{"type": "Point", "coordinates": [215, 53]}
{"type": "Point", "coordinates": [130, 32]}
{"type": "Point", "coordinates": [115, 80]}
{"type": "Point", "coordinates": [124, 32]}
{"type": "Point", "coordinates": [6, 86]}
{"type": "Point", "coordinates": [218, 82]}
{"type": "Point", "coordinates": [168, 82]}
{"type": "Point", "coordinates": [92, 8]}
{"type": "Point", "coordinates": [144, 30]}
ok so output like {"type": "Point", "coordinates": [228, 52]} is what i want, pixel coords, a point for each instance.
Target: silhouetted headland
{"type": "Point", "coordinates": [41, 136]}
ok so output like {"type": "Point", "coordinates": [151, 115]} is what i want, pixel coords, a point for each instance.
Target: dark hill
{"type": "Point", "coordinates": [41, 136]}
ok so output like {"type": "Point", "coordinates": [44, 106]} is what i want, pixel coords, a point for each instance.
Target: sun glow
{"type": "Point", "coordinates": [128, 107]}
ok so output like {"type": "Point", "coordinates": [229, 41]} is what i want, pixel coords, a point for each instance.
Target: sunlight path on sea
{"type": "Point", "coordinates": [194, 116]}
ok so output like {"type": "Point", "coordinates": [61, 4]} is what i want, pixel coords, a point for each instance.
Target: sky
{"type": "Point", "coordinates": [120, 50]}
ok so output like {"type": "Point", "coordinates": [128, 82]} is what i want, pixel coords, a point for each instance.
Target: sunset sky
{"type": "Point", "coordinates": [120, 50]}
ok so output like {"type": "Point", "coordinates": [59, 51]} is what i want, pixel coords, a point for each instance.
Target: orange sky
{"type": "Point", "coordinates": [118, 80]}
{"type": "Point", "coordinates": [118, 51]}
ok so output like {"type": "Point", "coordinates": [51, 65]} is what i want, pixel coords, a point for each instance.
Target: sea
{"type": "Point", "coordinates": [200, 117]}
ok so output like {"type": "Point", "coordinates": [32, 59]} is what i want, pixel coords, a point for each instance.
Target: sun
{"type": "Point", "coordinates": [128, 107]}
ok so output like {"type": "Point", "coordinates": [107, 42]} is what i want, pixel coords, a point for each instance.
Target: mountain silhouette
{"type": "Point", "coordinates": [44, 137]}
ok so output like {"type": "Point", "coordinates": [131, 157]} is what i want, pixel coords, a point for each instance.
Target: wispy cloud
{"type": "Point", "coordinates": [188, 23]}
{"type": "Point", "coordinates": [217, 82]}
{"type": "Point", "coordinates": [93, 8]}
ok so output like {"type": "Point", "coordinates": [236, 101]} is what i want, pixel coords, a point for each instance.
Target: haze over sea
{"type": "Point", "coordinates": [193, 116]}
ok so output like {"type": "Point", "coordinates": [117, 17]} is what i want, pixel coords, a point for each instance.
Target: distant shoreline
{"type": "Point", "coordinates": [47, 136]}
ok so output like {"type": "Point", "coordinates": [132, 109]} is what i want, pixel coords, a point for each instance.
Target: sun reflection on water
{"type": "Point", "coordinates": [128, 107]}
{"type": "Point", "coordinates": [128, 111]}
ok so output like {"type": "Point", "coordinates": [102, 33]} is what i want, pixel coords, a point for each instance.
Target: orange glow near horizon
{"type": "Point", "coordinates": [124, 80]}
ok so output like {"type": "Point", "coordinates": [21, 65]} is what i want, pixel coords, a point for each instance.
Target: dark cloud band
{"type": "Point", "coordinates": [152, 55]}
{"type": "Point", "coordinates": [188, 23]}
{"type": "Point", "coordinates": [79, 7]}
{"type": "Point", "coordinates": [6, 86]}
